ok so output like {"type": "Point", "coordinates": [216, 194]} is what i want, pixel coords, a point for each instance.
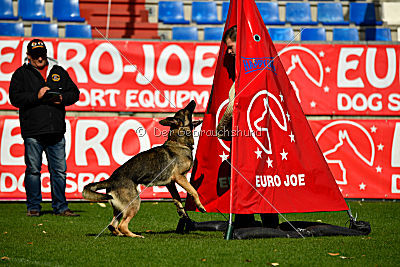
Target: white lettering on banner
{"type": "Point", "coordinates": [275, 181]}
{"type": "Point", "coordinates": [117, 65]}
{"type": "Point", "coordinates": [74, 62]}
{"type": "Point", "coordinates": [97, 96]}
{"type": "Point", "coordinates": [394, 102]}
{"type": "Point", "coordinates": [3, 96]}
{"type": "Point", "coordinates": [70, 182]}
{"type": "Point", "coordinates": [46, 187]}
{"type": "Point", "coordinates": [129, 125]}
{"type": "Point", "coordinates": [164, 76]}
{"type": "Point", "coordinates": [130, 99]}
{"type": "Point", "coordinates": [148, 75]}
{"type": "Point", "coordinates": [201, 98]}
{"type": "Point", "coordinates": [84, 98]}
{"type": "Point", "coordinates": [172, 99]}
{"type": "Point", "coordinates": [84, 179]}
{"type": "Point", "coordinates": [359, 102]}
{"type": "Point", "coordinates": [10, 185]}
{"type": "Point", "coordinates": [68, 138]}
{"type": "Point", "coordinates": [8, 140]}
{"type": "Point", "coordinates": [268, 181]}
{"type": "Point", "coordinates": [395, 180]}
{"type": "Point", "coordinates": [294, 180]}
{"type": "Point", "coordinates": [7, 58]}
{"type": "Point", "coordinates": [82, 144]}
{"type": "Point", "coordinates": [158, 97]}
{"type": "Point", "coordinates": [344, 66]}
{"type": "Point", "coordinates": [200, 63]}
{"type": "Point", "coordinates": [181, 97]}
{"type": "Point", "coordinates": [396, 146]}
{"type": "Point", "coordinates": [370, 68]}
{"type": "Point", "coordinates": [105, 97]}
{"type": "Point", "coordinates": [146, 99]}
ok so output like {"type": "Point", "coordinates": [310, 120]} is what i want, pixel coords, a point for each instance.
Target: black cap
{"type": "Point", "coordinates": [37, 48]}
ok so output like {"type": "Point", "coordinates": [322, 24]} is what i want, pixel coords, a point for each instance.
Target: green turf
{"type": "Point", "coordinates": [61, 241]}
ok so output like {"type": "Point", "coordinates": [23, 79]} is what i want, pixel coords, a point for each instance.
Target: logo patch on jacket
{"type": "Point", "coordinates": [55, 77]}
{"type": "Point", "coordinates": [255, 64]}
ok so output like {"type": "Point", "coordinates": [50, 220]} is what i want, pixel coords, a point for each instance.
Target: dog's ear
{"type": "Point", "coordinates": [169, 121]}
{"type": "Point", "coordinates": [191, 106]}
{"type": "Point", "coordinates": [196, 123]}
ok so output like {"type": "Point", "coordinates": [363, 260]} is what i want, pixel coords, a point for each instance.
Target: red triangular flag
{"type": "Point", "coordinates": [274, 161]}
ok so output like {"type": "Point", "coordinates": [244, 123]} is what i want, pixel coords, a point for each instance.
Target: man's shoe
{"type": "Point", "coordinates": [68, 213]}
{"type": "Point", "coordinates": [33, 213]}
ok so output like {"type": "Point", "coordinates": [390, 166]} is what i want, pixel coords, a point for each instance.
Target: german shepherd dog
{"type": "Point", "coordinates": [163, 165]}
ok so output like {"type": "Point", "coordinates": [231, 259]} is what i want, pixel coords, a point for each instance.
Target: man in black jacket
{"type": "Point", "coordinates": [41, 89]}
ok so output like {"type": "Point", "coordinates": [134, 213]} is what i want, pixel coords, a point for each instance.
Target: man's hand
{"type": "Point", "coordinates": [58, 101]}
{"type": "Point", "coordinates": [42, 91]}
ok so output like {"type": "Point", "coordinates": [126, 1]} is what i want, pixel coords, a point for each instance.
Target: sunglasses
{"type": "Point", "coordinates": [38, 56]}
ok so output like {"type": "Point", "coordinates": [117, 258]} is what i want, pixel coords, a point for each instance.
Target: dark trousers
{"type": "Point", "coordinates": [269, 220]}
{"type": "Point", "coordinates": [55, 154]}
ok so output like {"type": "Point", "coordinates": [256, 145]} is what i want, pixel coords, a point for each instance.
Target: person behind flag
{"type": "Point", "coordinates": [224, 132]}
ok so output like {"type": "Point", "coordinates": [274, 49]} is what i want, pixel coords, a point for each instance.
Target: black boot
{"type": "Point", "coordinates": [269, 220]}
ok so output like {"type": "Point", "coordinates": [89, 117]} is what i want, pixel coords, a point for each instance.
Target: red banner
{"type": "Point", "coordinates": [328, 79]}
{"type": "Point", "coordinates": [95, 147]}
{"type": "Point", "coordinates": [363, 155]}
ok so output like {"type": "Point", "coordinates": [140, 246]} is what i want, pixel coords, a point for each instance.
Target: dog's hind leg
{"type": "Point", "coordinates": [128, 214]}
{"type": "Point", "coordinates": [113, 226]}
{"type": "Point", "coordinates": [130, 204]}
{"type": "Point", "coordinates": [182, 181]}
{"type": "Point", "coordinates": [177, 199]}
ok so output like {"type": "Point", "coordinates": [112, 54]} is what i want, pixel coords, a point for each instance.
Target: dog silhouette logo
{"type": "Point", "coordinates": [341, 140]}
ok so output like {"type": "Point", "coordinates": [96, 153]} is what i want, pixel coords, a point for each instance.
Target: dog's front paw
{"type": "Point", "coordinates": [202, 209]}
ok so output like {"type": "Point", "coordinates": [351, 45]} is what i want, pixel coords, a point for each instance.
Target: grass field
{"type": "Point", "coordinates": [61, 241]}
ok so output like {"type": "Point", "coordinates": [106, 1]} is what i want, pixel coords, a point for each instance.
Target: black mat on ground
{"type": "Point", "coordinates": [305, 229]}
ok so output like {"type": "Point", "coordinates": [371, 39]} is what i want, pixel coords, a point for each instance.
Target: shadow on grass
{"type": "Point", "coordinates": [151, 233]}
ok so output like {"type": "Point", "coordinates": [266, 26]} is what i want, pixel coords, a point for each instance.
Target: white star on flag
{"type": "Point", "coordinates": [326, 89]}
{"type": "Point", "coordinates": [380, 146]}
{"type": "Point", "coordinates": [321, 54]}
{"type": "Point", "coordinates": [313, 104]}
{"type": "Point", "coordinates": [269, 161]}
{"type": "Point", "coordinates": [258, 152]}
{"type": "Point", "coordinates": [280, 94]}
{"type": "Point", "coordinates": [373, 129]}
{"type": "Point", "coordinates": [291, 135]}
{"type": "Point", "coordinates": [224, 156]}
{"type": "Point", "coordinates": [379, 169]}
{"type": "Point", "coordinates": [328, 69]}
{"type": "Point", "coordinates": [284, 154]}
{"type": "Point", "coordinates": [362, 186]}
{"type": "Point", "coordinates": [288, 116]}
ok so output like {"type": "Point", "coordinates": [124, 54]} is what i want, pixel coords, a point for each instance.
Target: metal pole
{"type": "Point", "coordinates": [229, 229]}
{"type": "Point", "coordinates": [108, 17]}
{"type": "Point", "coordinates": [352, 219]}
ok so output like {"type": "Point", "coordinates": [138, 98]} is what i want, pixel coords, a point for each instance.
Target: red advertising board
{"type": "Point", "coordinates": [364, 155]}
{"type": "Point", "coordinates": [95, 147]}
{"type": "Point", "coordinates": [142, 76]}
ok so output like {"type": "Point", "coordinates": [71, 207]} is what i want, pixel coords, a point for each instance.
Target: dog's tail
{"type": "Point", "coordinates": [89, 191]}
